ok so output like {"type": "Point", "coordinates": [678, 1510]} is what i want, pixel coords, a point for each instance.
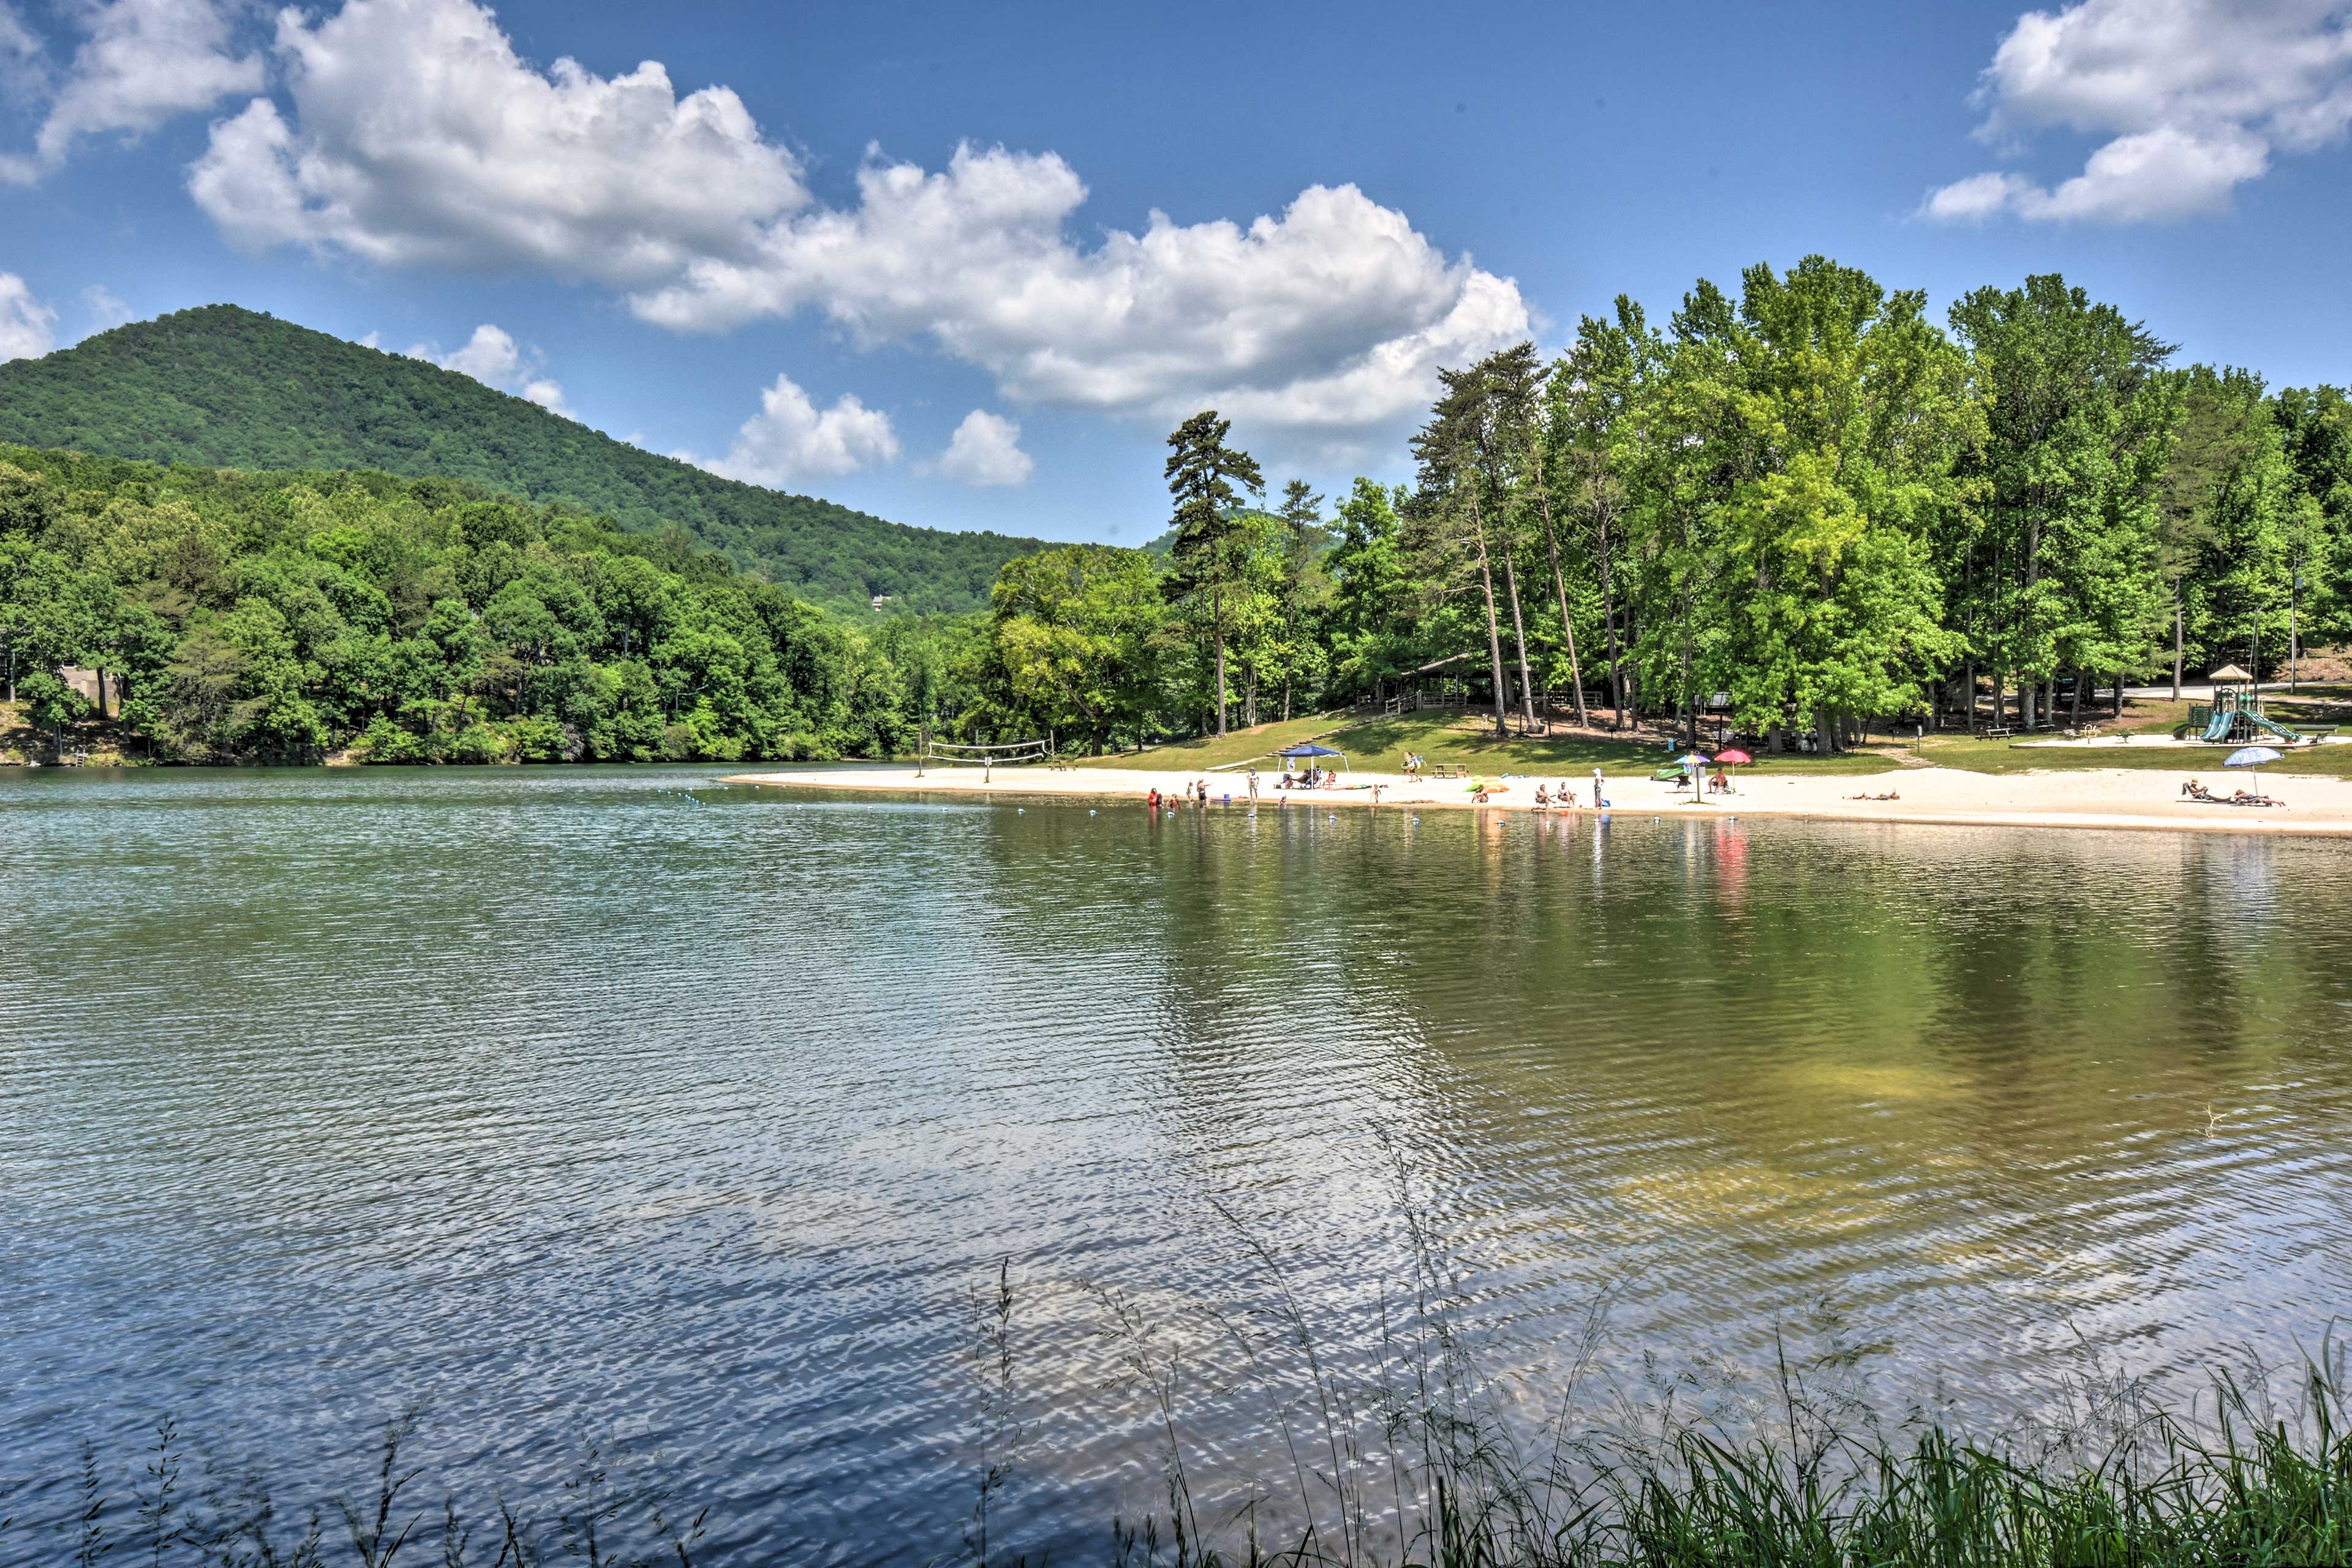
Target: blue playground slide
{"type": "Point", "coordinates": [2273, 725]}
{"type": "Point", "coordinates": [2219, 730]}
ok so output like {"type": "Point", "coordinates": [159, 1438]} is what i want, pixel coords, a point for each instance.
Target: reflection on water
{"type": "Point", "coordinates": [565, 1101]}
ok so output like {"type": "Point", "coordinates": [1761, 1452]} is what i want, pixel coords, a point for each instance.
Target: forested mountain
{"type": "Point", "coordinates": [225, 387]}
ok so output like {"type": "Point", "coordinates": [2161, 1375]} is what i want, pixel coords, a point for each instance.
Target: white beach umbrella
{"type": "Point", "coordinates": [2251, 757]}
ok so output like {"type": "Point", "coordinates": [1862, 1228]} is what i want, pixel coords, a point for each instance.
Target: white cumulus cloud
{"type": "Point", "coordinates": [492, 357]}
{"type": "Point", "coordinates": [985, 451]}
{"type": "Point", "coordinates": [411, 132]}
{"type": "Point", "coordinates": [791, 439]}
{"type": "Point", "coordinates": [139, 63]}
{"type": "Point", "coordinates": [25, 325]}
{"type": "Point", "coordinates": [2194, 98]}
{"type": "Point", "coordinates": [1332, 316]}
{"type": "Point", "coordinates": [419, 136]}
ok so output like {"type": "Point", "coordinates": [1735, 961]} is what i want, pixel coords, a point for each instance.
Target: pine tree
{"type": "Point", "coordinates": [1212, 538]}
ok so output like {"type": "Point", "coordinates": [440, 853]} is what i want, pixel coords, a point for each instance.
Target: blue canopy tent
{"type": "Point", "coordinates": [1311, 755]}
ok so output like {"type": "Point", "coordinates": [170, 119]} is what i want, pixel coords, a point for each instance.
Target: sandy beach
{"type": "Point", "coordinates": [2112, 798]}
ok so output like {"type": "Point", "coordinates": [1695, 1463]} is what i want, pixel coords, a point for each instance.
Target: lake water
{"type": "Point", "coordinates": [569, 1103]}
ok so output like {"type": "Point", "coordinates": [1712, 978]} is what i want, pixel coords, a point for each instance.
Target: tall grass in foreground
{"type": "Point", "coordinates": [1411, 1461]}
{"type": "Point", "coordinates": [171, 1510]}
{"type": "Point", "coordinates": [2258, 1492]}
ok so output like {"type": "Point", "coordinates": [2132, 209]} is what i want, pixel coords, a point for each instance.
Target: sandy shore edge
{"type": "Point", "coordinates": [1947, 797]}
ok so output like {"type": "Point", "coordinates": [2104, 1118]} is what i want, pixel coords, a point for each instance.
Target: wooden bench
{"type": "Point", "coordinates": [1449, 770]}
{"type": "Point", "coordinates": [1996, 732]}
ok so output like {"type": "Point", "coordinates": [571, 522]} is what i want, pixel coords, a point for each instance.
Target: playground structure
{"type": "Point", "coordinates": [953, 754]}
{"type": "Point", "coordinates": [2235, 716]}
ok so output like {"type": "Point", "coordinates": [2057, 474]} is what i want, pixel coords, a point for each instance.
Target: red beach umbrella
{"type": "Point", "coordinates": [1733, 758]}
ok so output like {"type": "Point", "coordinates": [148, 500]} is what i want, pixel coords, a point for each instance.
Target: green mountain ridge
{"type": "Point", "coordinates": [221, 387]}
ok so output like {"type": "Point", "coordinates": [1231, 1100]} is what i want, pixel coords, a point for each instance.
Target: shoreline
{"type": "Point", "coordinates": [2115, 799]}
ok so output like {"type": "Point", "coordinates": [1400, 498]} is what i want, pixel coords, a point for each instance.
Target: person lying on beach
{"type": "Point", "coordinates": [1890, 795]}
{"type": "Point", "coordinates": [2195, 791]}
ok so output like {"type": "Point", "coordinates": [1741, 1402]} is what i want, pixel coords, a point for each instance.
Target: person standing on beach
{"type": "Point", "coordinates": [1253, 783]}
{"type": "Point", "coordinates": [1597, 801]}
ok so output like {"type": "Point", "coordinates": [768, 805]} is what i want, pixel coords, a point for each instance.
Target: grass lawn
{"type": "Point", "coordinates": [1379, 745]}
{"type": "Point", "coordinates": [1239, 746]}
{"type": "Point", "coordinates": [2003, 757]}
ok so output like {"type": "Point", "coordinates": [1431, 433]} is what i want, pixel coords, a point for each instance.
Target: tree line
{"type": "Point", "coordinates": [1810, 497]}
{"type": "Point", "coordinates": [289, 616]}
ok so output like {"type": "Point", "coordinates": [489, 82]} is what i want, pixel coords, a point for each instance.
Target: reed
{"type": "Point", "coordinates": [1411, 1461]}
{"type": "Point", "coordinates": [165, 1513]}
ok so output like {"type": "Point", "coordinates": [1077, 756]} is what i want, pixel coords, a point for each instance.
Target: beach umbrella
{"type": "Point", "coordinates": [2251, 757]}
{"type": "Point", "coordinates": [1733, 758]}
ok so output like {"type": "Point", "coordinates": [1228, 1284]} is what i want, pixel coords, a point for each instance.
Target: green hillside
{"type": "Point", "coordinates": [225, 387]}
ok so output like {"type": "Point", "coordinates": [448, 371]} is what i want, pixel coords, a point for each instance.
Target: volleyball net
{"type": "Point", "coordinates": [956, 753]}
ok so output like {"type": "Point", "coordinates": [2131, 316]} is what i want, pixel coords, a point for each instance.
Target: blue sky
{"type": "Point", "coordinates": [906, 255]}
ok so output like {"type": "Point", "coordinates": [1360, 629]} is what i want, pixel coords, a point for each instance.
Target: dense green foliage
{"type": "Point", "coordinates": [224, 387]}
{"type": "Point", "coordinates": [284, 616]}
{"type": "Point", "coordinates": [1809, 497]}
